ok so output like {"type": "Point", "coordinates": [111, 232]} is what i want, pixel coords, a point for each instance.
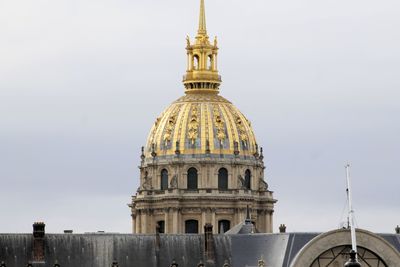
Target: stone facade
{"type": "Point", "coordinates": [209, 203]}
{"type": "Point", "coordinates": [201, 163]}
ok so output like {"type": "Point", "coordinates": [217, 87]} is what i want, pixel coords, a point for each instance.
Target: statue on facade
{"type": "Point", "coordinates": [174, 182]}
{"type": "Point", "coordinates": [147, 181]}
{"type": "Point", "coordinates": [263, 185]}
{"type": "Point", "coordinates": [241, 182]}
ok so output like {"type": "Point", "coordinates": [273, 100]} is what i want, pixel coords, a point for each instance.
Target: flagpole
{"type": "Point", "coordinates": [351, 211]}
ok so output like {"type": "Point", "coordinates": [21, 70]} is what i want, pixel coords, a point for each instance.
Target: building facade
{"type": "Point", "coordinates": [201, 163]}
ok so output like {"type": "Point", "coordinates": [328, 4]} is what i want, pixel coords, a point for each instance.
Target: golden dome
{"type": "Point", "coordinates": [201, 123]}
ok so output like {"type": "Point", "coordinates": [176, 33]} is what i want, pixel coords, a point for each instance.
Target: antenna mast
{"type": "Point", "coordinates": [351, 211]}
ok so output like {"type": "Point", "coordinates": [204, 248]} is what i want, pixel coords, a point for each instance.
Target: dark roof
{"type": "Point", "coordinates": [242, 228]}
{"type": "Point", "coordinates": [100, 250]}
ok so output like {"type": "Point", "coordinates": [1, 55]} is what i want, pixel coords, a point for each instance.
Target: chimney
{"type": "Point", "coordinates": [38, 241]}
{"type": "Point", "coordinates": [397, 230]}
{"type": "Point", "coordinates": [208, 241]}
{"type": "Point", "coordinates": [158, 241]}
{"type": "Point", "coordinates": [282, 228]}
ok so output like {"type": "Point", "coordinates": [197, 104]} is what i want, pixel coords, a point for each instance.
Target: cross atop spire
{"type": "Point", "coordinates": [202, 20]}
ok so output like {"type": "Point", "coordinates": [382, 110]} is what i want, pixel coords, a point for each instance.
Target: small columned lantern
{"type": "Point", "coordinates": [202, 71]}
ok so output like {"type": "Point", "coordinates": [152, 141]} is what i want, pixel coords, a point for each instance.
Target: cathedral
{"type": "Point", "coordinates": [203, 199]}
{"type": "Point", "coordinates": [201, 163]}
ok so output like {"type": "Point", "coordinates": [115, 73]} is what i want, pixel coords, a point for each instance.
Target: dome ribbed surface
{"type": "Point", "coordinates": [201, 123]}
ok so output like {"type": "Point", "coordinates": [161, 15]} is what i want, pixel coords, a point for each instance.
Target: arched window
{"type": "Point", "coordinates": [196, 62]}
{"type": "Point", "coordinates": [223, 179]}
{"type": "Point", "coordinates": [191, 227]}
{"type": "Point", "coordinates": [247, 179]}
{"type": "Point", "coordinates": [192, 179]}
{"type": "Point", "coordinates": [164, 179]}
{"type": "Point", "coordinates": [210, 62]}
{"type": "Point", "coordinates": [223, 226]}
{"type": "Point", "coordinates": [161, 227]}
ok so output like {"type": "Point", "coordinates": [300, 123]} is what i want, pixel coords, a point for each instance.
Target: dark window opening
{"type": "Point", "coordinates": [210, 62]}
{"type": "Point", "coordinates": [247, 179]}
{"type": "Point", "coordinates": [223, 226]}
{"type": "Point", "coordinates": [164, 179]}
{"type": "Point", "coordinates": [192, 179]}
{"type": "Point", "coordinates": [196, 62]}
{"type": "Point", "coordinates": [223, 179]}
{"type": "Point", "coordinates": [161, 227]}
{"type": "Point", "coordinates": [191, 227]}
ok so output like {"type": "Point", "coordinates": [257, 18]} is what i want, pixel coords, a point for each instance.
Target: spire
{"type": "Point", "coordinates": [202, 20]}
{"type": "Point", "coordinates": [202, 71]}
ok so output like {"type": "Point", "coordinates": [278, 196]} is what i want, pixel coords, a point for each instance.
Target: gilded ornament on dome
{"type": "Point", "coordinates": [242, 130]}
{"type": "Point", "coordinates": [193, 125]}
{"type": "Point", "coordinates": [170, 127]}
{"type": "Point", "coordinates": [219, 125]}
{"type": "Point", "coordinates": [187, 41]}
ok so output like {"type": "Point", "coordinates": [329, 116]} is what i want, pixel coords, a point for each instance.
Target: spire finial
{"type": "Point", "coordinates": [202, 20]}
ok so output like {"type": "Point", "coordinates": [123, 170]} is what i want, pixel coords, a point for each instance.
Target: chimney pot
{"type": "Point", "coordinates": [38, 241]}
{"type": "Point", "coordinates": [208, 241]}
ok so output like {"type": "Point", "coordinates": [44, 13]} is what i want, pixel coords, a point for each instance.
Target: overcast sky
{"type": "Point", "coordinates": [81, 83]}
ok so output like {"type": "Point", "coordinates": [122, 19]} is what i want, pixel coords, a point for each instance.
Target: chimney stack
{"type": "Point", "coordinates": [282, 228]}
{"type": "Point", "coordinates": [38, 241]}
{"type": "Point", "coordinates": [208, 241]}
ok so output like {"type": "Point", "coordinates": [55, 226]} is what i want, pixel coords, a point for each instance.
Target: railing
{"type": "Point", "coordinates": [202, 76]}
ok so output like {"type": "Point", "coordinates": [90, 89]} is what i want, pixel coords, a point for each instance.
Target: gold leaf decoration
{"type": "Point", "coordinates": [219, 125]}
{"type": "Point", "coordinates": [170, 127]}
{"type": "Point", "coordinates": [193, 127]}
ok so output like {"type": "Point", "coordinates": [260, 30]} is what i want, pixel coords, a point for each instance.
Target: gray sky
{"type": "Point", "coordinates": [81, 83]}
